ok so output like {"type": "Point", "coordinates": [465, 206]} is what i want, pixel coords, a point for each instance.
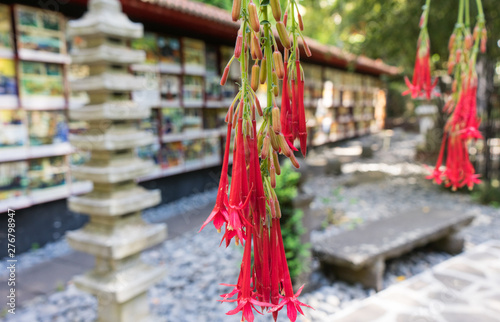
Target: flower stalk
{"type": "Point", "coordinates": [249, 210]}
{"type": "Point", "coordinates": [462, 126]}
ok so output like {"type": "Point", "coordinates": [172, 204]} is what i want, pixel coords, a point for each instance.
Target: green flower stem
{"type": "Point", "coordinates": [461, 13]}
{"type": "Point", "coordinates": [426, 14]}
{"type": "Point", "coordinates": [480, 16]}
{"type": "Point", "coordinates": [467, 13]}
{"type": "Point", "coordinates": [269, 57]}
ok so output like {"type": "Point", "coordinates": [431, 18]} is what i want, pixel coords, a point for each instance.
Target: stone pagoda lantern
{"type": "Point", "coordinates": [116, 233]}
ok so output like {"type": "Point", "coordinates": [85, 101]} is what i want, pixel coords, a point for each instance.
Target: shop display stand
{"type": "Point", "coordinates": [37, 76]}
{"type": "Point", "coordinates": [116, 234]}
{"type": "Point", "coordinates": [182, 85]}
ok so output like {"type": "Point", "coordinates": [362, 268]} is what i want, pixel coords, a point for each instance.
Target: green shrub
{"type": "Point", "coordinates": [488, 193]}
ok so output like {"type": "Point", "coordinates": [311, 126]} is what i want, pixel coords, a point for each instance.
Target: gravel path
{"type": "Point", "coordinates": [158, 214]}
{"type": "Point", "coordinates": [397, 184]}
{"type": "Point", "coordinates": [196, 265]}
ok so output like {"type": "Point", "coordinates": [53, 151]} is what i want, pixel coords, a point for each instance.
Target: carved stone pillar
{"type": "Point", "coordinates": [116, 233]}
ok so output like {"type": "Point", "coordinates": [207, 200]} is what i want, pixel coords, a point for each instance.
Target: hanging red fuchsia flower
{"type": "Point", "coordinates": [302, 132]}
{"type": "Point", "coordinates": [240, 195]}
{"type": "Point", "coordinates": [421, 84]}
{"type": "Point", "coordinates": [462, 126]}
{"type": "Point", "coordinates": [250, 211]}
{"type": "Point", "coordinates": [290, 298]}
{"type": "Point", "coordinates": [219, 214]}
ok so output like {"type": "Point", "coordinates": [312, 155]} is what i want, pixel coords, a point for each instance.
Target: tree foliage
{"type": "Point", "coordinates": [388, 29]}
{"type": "Point", "coordinates": [224, 4]}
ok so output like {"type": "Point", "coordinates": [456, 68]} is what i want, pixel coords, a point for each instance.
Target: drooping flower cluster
{"type": "Point", "coordinates": [462, 125]}
{"type": "Point", "coordinates": [421, 84]}
{"type": "Point", "coordinates": [248, 210]}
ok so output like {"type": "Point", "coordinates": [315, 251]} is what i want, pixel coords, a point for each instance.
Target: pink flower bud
{"type": "Point", "coordinates": [301, 23]}
{"type": "Point", "coordinates": [278, 64]}
{"type": "Point", "coordinates": [307, 49]}
{"type": "Point", "coordinates": [239, 45]}
{"type": "Point", "coordinates": [294, 161]}
{"type": "Point", "coordinates": [451, 42]}
{"type": "Point", "coordinates": [235, 14]}
{"type": "Point", "coordinates": [265, 147]}
{"type": "Point", "coordinates": [254, 82]}
{"type": "Point", "coordinates": [263, 71]}
{"type": "Point", "coordinates": [276, 8]}
{"type": "Point", "coordinates": [283, 34]}
{"type": "Point", "coordinates": [257, 104]}
{"type": "Point", "coordinates": [223, 79]}
{"type": "Point", "coordinates": [254, 17]}
{"type": "Point", "coordinates": [276, 119]}
{"type": "Point", "coordinates": [484, 39]}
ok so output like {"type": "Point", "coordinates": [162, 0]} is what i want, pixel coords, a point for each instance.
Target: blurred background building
{"type": "Point", "coordinates": [187, 45]}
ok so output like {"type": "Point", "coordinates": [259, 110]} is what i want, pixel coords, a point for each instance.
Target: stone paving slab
{"type": "Point", "coordinates": [465, 288]}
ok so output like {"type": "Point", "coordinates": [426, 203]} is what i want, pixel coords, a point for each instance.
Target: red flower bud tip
{"type": "Point", "coordinates": [276, 9]}
{"type": "Point", "coordinates": [278, 64]}
{"type": "Point", "coordinates": [458, 54]}
{"type": "Point", "coordinates": [307, 49]}
{"type": "Point", "coordinates": [475, 33]}
{"type": "Point", "coordinates": [256, 49]}
{"type": "Point", "coordinates": [239, 45]}
{"type": "Point", "coordinates": [276, 89]}
{"type": "Point", "coordinates": [285, 149]}
{"type": "Point", "coordinates": [223, 79]}
{"type": "Point", "coordinates": [254, 17]}
{"type": "Point", "coordinates": [229, 115]}
{"type": "Point", "coordinates": [276, 163]}
{"type": "Point", "coordinates": [276, 119]}
{"type": "Point", "coordinates": [277, 207]}
{"type": "Point", "coordinates": [294, 161]}
{"type": "Point", "coordinates": [468, 41]}
{"type": "Point", "coordinates": [272, 172]}
{"type": "Point", "coordinates": [451, 42]}
{"type": "Point", "coordinates": [451, 64]}
{"type": "Point", "coordinates": [274, 140]}
{"type": "Point", "coordinates": [254, 83]}
{"type": "Point", "coordinates": [252, 50]}
{"type": "Point", "coordinates": [484, 39]}
{"type": "Point", "coordinates": [283, 34]}
{"type": "Point", "coordinates": [422, 19]}
{"type": "Point", "coordinates": [301, 23]}
{"type": "Point", "coordinates": [265, 147]}
{"type": "Point", "coordinates": [235, 115]}
{"type": "Point", "coordinates": [263, 71]}
{"type": "Point", "coordinates": [285, 18]}
{"type": "Point", "coordinates": [259, 109]}
{"type": "Point", "coordinates": [235, 14]}
{"type": "Point", "coordinates": [258, 52]}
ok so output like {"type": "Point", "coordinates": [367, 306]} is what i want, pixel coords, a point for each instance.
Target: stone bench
{"type": "Point", "coordinates": [359, 255]}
